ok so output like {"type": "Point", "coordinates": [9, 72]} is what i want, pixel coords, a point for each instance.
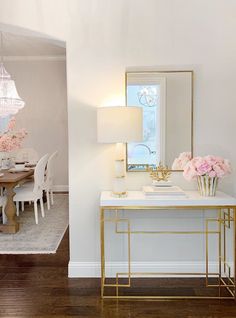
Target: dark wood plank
{"type": "Point", "coordinates": [38, 286]}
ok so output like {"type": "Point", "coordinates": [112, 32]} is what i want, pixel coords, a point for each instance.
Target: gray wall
{"type": "Point", "coordinates": [42, 85]}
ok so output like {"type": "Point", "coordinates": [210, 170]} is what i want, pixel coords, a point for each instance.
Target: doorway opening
{"type": "Point", "coordinates": [37, 64]}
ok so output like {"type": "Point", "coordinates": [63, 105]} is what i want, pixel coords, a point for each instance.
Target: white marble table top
{"type": "Point", "coordinates": [193, 198]}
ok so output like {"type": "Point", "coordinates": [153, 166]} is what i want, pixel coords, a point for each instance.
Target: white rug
{"type": "Point", "coordinates": [43, 238]}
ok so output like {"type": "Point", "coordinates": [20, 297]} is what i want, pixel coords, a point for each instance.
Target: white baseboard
{"type": "Point", "coordinates": [60, 188]}
{"type": "Point", "coordinates": [92, 269]}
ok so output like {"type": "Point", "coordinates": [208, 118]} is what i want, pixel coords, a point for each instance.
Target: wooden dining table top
{"type": "Point", "coordinates": [12, 177]}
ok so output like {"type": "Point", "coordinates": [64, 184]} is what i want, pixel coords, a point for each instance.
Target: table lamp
{"type": "Point", "coordinates": [119, 124]}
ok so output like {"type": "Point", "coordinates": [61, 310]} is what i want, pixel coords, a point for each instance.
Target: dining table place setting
{"type": "Point", "coordinates": [17, 168]}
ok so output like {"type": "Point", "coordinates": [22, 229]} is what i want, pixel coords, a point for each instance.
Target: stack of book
{"type": "Point", "coordinates": [172, 191]}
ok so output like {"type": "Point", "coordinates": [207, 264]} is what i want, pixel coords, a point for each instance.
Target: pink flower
{"type": "Point", "coordinates": [180, 162]}
{"type": "Point", "coordinates": [202, 167]}
{"type": "Point", "coordinates": [219, 171]}
{"type": "Point", "coordinates": [11, 124]}
{"type": "Point", "coordinates": [227, 165]}
{"type": "Point", "coordinates": [177, 164]}
{"type": "Point", "coordinates": [189, 171]}
{"type": "Point", "coordinates": [212, 174]}
{"type": "Point", "coordinates": [211, 160]}
{"type": "Point", "coordinates": [185, 156]}
{"type": "Point", "coordinates": [10, 141]}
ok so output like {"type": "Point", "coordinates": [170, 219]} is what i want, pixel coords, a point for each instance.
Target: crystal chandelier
{"type": "Point", "coordinates": [10, 101]}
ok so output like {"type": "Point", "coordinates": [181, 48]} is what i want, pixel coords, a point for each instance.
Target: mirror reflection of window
{"type": "Point", "coordinates": [149, 96]}
{"type": "Point", "coordinates": [146, 97]}
{"type": "Point", "coordinates": [167, 101]}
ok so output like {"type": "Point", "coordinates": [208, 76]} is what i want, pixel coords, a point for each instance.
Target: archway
{"type": "Point", "coordinates": [37, 63]}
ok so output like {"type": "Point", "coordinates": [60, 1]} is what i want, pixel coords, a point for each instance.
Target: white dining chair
{"type": "Point", "coordinates": [3, 202]}
{"type": "Point", "coordinates": [33, 191]}
{"type": "Point", "coordinates": [48, 184]}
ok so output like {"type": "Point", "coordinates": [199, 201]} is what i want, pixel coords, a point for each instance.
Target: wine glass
{"type": "Point", "coordinates": [25, 157]}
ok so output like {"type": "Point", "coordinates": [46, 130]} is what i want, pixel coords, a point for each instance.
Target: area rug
{"type": "Point", "coordinates": [43, 238]}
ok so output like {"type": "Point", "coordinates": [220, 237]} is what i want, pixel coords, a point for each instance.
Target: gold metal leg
{"type": "Point", "coordinates": [224, 242]}
{"type": "Point", "coordinates": [117, 285]}
{"type": "Point", "coordinates": [227, 219]}
{"type": "Point", "coordinates": [219, 247]}
{"type": "Point", "coordinates": [206, 249]}
{"type": "Point", "coordinates": [234, 245]}
{"type": "Point", "coordinates": [116, 220]}
{"type": "Point", "coordinates": [225, 280]}
{"type": "Point", "coordinates": [207, 232]}
{"type": "Point", "coordinates": [102, 251]}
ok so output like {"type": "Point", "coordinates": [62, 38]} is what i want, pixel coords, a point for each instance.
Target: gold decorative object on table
{"type": "Point", "coordinates": [160, 173]}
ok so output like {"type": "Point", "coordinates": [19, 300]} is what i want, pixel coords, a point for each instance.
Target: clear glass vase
{"type": "Point", "coordinates": [6, 160]}
{"type": "Point", "coordinates": [207, 185]}
{"type": "Point", "coordinates": [3, 160]}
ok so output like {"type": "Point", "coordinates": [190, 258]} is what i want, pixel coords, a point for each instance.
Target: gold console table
{"type": "Point", "coordinates": [225, 218]}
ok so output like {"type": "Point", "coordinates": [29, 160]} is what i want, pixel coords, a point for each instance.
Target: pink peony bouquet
{"type": "Point", "coordinates": [10, 140]}
{"type": "Point", "coordinates": [180, 162]}
{"type": "Point", "coordinates": [211, 166]}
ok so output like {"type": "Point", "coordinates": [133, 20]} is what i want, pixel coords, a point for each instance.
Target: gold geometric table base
{"type": "Point", "coordinates": [225, 278]}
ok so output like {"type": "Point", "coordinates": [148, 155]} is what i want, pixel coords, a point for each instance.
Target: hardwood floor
{"type": "Point", "coordinates": [37, 286]}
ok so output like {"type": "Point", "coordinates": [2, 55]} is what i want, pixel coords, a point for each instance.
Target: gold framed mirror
{"type": "Point", "coordinates": [167, 101]}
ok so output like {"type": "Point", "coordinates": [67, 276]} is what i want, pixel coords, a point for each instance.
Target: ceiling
{"type": "Point", "coordinates": [27, 46]}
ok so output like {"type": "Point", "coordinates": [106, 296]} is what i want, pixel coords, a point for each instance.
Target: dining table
{"type": "Point", "coordinates": [9, 180]}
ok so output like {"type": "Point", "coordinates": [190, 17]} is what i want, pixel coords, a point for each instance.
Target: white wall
{"type": "Point", "coordinates": [105, 37]}
{"type": "Point", "coordinates": [42, 85]}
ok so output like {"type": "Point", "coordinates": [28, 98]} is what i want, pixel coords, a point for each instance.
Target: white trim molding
{"type": "Point", "coordinates": [30, 58]}
{"type": "Point", "coordinates": [92, 269]}
{"type": "Point", "coordinates": [60, 188]}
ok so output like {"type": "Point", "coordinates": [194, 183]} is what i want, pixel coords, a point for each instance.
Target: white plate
{"type": "Point", "coordinates": [14, 170]}
{"type": "Point", "coordinates": [1, 174]}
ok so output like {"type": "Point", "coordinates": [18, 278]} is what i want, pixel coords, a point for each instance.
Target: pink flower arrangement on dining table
{"type": "Point", "coordinates": [211, 166]}
{"type": "Point", "coordinates": [10, 140]}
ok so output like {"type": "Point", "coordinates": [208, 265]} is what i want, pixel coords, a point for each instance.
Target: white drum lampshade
{"type": "Point", "coordinates": [119, 124]}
